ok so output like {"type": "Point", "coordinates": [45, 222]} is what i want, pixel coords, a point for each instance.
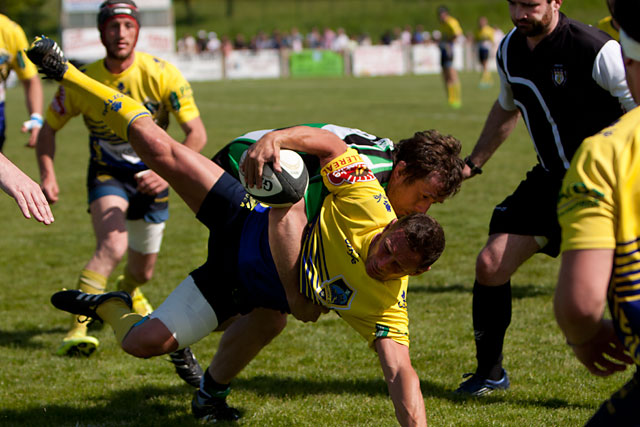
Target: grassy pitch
{"type": "Point", "coordinates": [319, 374]}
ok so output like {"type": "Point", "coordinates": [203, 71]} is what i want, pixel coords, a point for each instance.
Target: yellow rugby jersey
{"type": "Point", "coordinates": [336, 246]}
{"type": "Point", "coordinates": [599, 208]}
{"type": "Point", "coordinates": [153, 82]}
{"type": "Point", "coordinates": [484, 35]}
{"type": "Point", "coordinates": [12, 57]}
{"type": "Point", "coordinates": [450, 28]}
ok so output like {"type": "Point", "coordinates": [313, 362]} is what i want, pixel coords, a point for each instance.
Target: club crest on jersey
{"type": "Point", "coordinates": [337, 294]}
{"type": "Point", "coordinates": [355, 172]}
{"type": "Point", "coordinates": [559, 75]}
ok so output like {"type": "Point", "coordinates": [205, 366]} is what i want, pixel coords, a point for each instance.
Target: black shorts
{"type": "Point", "coordinates": [622, 407]}
{"type": "Point", "coordinates": [105, 181]}
{"type": "Point", "coordinates": [531, 210]}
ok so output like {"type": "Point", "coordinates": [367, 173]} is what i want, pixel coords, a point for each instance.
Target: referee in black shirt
{"type": "Point", "coordinates": [567, 81]}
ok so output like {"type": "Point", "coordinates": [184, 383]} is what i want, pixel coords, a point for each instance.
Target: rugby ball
{"type": "Point", "coordinates": [280, 189]}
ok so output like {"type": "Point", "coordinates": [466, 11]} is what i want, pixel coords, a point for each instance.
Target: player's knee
{"type": "Point", "coordinates": [112, 248]}
{"type": "Point", "coordinates": [145, 342]}
{"type": "Point", "coordinates": [273, 325]}
{"type": "Point", "coordinates": [488, 268]}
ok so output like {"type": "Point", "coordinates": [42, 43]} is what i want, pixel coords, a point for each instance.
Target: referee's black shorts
{"type": "Point", "coordinates": [531, 210]}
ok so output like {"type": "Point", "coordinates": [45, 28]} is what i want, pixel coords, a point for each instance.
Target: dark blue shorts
{"type": "Point", "coordinates": [483, 53]}
{"type": "Point", "coordinates": [446, 54]}
{"type": "Point", "coordinates": [105, 181]}
{"type": "Point", "coordinates": [239, 274]}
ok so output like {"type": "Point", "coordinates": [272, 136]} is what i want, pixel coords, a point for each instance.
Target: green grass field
{"type": "Point", "coordinates": [319, 374]}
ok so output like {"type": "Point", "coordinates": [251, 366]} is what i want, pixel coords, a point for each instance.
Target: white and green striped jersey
{"type": "Point", "coordinates": [376, 151]}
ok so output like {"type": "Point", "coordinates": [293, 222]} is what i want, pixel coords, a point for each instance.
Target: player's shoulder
{"type": "Point", "coordinates": [619, 136]}
{"type": "Point", "coordinates": [154, 64]}
{"type": "Point", "coordinates": [584, 36]}
{"type": "Point", "coordinates": [10, 29]}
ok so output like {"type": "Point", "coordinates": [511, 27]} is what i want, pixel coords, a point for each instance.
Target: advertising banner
{"type": "Point", "coordinates": [316, 63]}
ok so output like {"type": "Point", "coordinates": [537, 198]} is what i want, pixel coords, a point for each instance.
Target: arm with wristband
{"type": "Point", "coordinates": [33, 95]}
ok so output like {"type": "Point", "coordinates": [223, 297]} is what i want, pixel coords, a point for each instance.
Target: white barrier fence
{"type": "Point", "coordinates": [363, 61]}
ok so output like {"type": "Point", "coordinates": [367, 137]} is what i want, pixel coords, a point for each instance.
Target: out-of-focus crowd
{"type": "Point", "coordinates": [337, 40]}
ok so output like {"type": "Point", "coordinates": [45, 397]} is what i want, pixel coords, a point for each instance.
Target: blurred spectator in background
{"type": "Point", "coordinates": [418, 35]}
{"type": "Point", "coordinates": [213, 42]}
{"type": "Point", "coordinates": [240, 42]}
{"type": "Point", "coordinates": [341, 42]}
{"type": "Point", "coordinates": [483, 38]}
{"type": "Point", "coordinates": [187, 45]}
{"type": "Point", "coordinates": [386, 38]}
{"type": "Point", "coordinates": [296, 40]}
{"type": "Point", "coordinates": [365, 39]}
{"type": "Point", "coordinates": [406, 35]}
{"type": "Point", "coordinates": [328, 36]}
{"type": "Point", "coordinates": [314, 39]}
{"type": "Point", "coordinates": [201, 41]}
{"type": "Point", "coordinates": [226, 46]}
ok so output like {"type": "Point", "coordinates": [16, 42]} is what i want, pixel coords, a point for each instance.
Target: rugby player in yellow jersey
{"type": "Point", "coordinates": [483, 38]}
{"type": "Point", "coordinates": [450, 30]}
{"type": "Point", "coordinates": [12, 44]}
{"type": "Point", "coordinates": [599, 212]}
{"type": "Point", "coordinates": [356, 215]}
{"type": "Point", "coordinates": [128, 202]}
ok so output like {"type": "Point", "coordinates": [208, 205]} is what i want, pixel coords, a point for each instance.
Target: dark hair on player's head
{"type": "Point", "coordinates": [428, 152]}
{"type": "Point", "coordinates": [424, 235]}
{"type": "Point", "coordinates": [625, 12]}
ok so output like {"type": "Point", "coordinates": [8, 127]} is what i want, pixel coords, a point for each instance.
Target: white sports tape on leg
{"type": "Point", "coordinates": [145, 237]}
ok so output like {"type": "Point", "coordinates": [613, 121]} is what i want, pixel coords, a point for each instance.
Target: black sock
{"type": "Point", "coordinates": [491, 318]}
{"type": "Point", "coordinates": [213, 388]}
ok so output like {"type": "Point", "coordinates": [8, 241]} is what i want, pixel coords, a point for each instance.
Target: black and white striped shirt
{"type": "Point", "coordinates": [569, 87]}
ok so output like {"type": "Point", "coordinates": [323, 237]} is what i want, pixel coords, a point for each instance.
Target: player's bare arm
{"type": "Point", "coordinates": [319, 142]}
{"type": "Point", "coordinates": [45, 153]}
{"type": "Point", "coordinates": [402, 381]}
{"type": "Point", "coordinates": [579, 305]}
{"type": "Point", "coordinates": [33, 96]}
{"type": "Point", "coordinates": [195, 134]}
{"type": "Point", "coordinates": [498, 126]}
{"type": "Point", "coordinates": [25, 191]}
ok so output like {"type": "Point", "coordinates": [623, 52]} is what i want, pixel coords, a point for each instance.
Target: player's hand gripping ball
{"type": "Point", "coordinates": [280, 189]}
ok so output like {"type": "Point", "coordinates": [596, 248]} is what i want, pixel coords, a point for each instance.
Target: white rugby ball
{"type": "Point", "coordinates": [280, 189]}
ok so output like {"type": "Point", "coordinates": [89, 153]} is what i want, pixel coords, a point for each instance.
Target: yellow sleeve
{"type": "Point", "coordinates": [178, 95]}
{"type": "Point", "coordinates": [586, 206]}
{"type": "Point", "coordinates": [23, 67]}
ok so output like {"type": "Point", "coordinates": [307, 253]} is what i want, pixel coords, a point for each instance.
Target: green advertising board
{"type": "Point", "coordinates": [316, 63]}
